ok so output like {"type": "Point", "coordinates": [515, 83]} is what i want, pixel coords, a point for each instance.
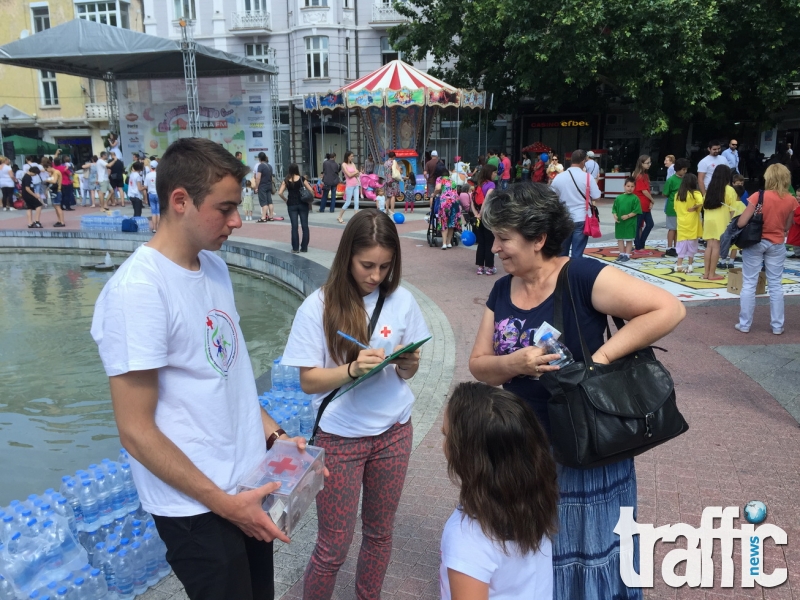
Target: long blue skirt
{"type": "Point", "coordinates": [586, 549]}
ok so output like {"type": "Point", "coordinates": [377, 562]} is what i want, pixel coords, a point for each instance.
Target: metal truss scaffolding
{"type": "Point", "coordinates": [188, 49]}
{"type": "Point", "coordinates": [111, 101]}
{"type": "Point", "coordinates": [277, 154]}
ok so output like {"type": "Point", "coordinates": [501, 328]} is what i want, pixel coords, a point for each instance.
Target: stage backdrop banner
{"type": "Point", "coordinates": [233, 112]}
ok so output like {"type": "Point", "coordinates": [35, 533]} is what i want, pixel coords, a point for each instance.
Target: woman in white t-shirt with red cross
{"type": "Point", "coordinates": [366, 432]}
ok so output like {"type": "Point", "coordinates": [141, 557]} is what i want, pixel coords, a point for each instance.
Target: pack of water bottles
{"type": "Point", "coordinates": [111, 222]}
{"type": "Point", "coordinates": [286, 402]}
{"type": "Point", "coordinates": [90, 540]}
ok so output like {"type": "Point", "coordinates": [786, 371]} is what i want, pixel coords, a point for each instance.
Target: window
{"type": "Point", "coordinates": [316, 2]}
{"type": "Point", "coordinates": [347, 58]}
{"type": "Point", "coordinates": [49, 88]}
{"type": "Point", "coordinates": [346, 3]}
{"type": "Point", "coordinates": [184, 9]}
{"type": "Point", "coordinates": [259, 53]}
{"type": "Point", "coordinates": [99, 12]}
{"type": "Point", "coordinates": [256, 6]}
{"type": "Point", "coordinates": [125, 21]}
{"type": "Point", "coordinates": [317, 56]}
{"type": "Point", "coordinates": [41, 18]}
{"type": "Point", "coordinates": [387, 52]}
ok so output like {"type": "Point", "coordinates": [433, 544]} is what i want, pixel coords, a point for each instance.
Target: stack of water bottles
{"type": "Point", "coordinates": [112, 222]}
{"type": "Point", "coordinates": [286, 403]}
{"type": "Point", "coordinates": [90, 540]}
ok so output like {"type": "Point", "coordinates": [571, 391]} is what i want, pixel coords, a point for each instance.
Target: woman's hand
{"type": "Point", "coordinates": [366, 361]}
{"type": "Point", "coordinates": [533, 361]}
{"type": "Point", "coordinates": [407, 360]}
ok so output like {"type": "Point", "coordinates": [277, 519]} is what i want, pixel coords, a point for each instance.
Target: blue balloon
{"type": "Point", "coordinates": [467, 238]}
{"type": "Point", "coordinates": [544, 156]}
{"type": "Point", "coordinates": [399, 218]}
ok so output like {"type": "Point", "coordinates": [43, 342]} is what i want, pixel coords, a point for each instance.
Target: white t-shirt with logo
{"type": "Point", "coordinates": [102, 172]}
{"type": "Point", "coordinates": [707, 166]}
{"type": "Point", "coordinates": [154, 314]}
{"type": "Point", "coordinates": [150, 182]}
{"type": "Point", "coordinates": [134, 180]}
{"type": "Point", "coordinates": [381, 401]}
{"type": "Point", "coordinates": [466, 549]}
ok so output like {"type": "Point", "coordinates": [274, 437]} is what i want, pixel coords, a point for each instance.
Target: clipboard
{"type": "Point", "coordinates": [378, 368]}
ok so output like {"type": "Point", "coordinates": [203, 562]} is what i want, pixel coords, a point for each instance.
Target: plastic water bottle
{"type": "Point", "coordinates": [7, 528]}
{"type": "Point", "coordinates": [109, 559]}
{"type": "Point", "coordinates": [64, 510]}
{"type": "Point", "coordinates": [79, 589]}
{"type": "Point", "coordinates": [62, 593]}
{"type": "Point", "coordinates": [151, 559]}
{"type": "Point", "coordinates": [306, 420]}
{"type": "Point", "coordinates": [91, 538]}
{"type": "Point", "coordinates": [139, 565]}
{"type": "Point", "coordinates": [6, 589]}
{"type": "Point", "coordinates": [117, 488]}
{"type": "Point", "coordinates": [88, 503]}
{"type": "Point", "coordinates": [70, 492]}
{"type": "Point", "coordinates": [103, 498]}
{"type": "Point", "coordinates": [293, 424]}
{"type": "Point", "coordinates": [161, 554]}
{"type": "Point", "coordinates": [552, 346]}
{"type": "Point", "coordinates": [123, 456]}
{"type": "Point", "coordinates": [123, 572]}
{"type": "Point", "coordinates": [130, 487]}
{"type": "Point", "coordinates": [96, 586]}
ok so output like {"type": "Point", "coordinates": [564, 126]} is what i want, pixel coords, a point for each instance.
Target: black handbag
{"type": "Point", "coordinates": [602, 414]}
{"type": "Point", "coordinates": [305, 195]}
{"type": "Point", "coordinates": [373, 321]}
{"type": "Point", "coordinates": [750, 234]}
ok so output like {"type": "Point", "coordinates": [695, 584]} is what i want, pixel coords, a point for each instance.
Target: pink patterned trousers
{"type": "Point", "coordinates": [380, 464]}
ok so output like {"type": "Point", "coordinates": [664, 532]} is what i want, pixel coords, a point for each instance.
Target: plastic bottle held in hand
{"type": "Point", "coordinates": [123, 572]}
{"type": "Point", "coordinates": [139, 565]}
{"type": "Point", "coordinates": [553, 346]}
{"type": "Point", "coordinates": [88, 500]}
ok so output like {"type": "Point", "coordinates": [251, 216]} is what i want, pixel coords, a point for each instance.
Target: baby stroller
{"type": "Point", "coordinates": [435, 226]}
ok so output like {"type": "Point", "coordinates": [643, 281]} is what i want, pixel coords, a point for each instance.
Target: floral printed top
{"type": "Point", "coordinates": [514, 328]}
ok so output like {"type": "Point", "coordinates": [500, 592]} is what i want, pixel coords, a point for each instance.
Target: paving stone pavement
{"type": "Point", "coordinates": [742, 443]}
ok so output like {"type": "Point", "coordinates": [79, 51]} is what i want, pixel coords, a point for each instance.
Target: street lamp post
{"type": "Point", "coordinates": [5, 124]}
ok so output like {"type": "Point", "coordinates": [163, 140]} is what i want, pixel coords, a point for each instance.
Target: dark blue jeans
{"type": "Point", "coordinates": [299, 211]}
{"type": "Point", "coordinates": [328, 191]}
{"type": "Point", "coordinates": [641, 234]}
{"type": "Point", "coordinates": [576, 242]}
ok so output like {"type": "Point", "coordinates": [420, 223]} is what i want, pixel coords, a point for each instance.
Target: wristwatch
{"type": "Point", "coordinates": [275, 435]}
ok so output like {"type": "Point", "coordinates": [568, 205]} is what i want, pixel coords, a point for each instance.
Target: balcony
{"type": "Point", "coordinates": [383, 11]}
{"type": "Point", "coordinates": [250, 21]}
{"type": "Point", "coordinates": [96, 111]}
{"type": "Point", "coordinates": [795, 91]}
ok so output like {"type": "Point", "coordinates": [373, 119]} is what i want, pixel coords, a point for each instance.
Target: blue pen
{"type": "Point", "coordinates": [354, 340]}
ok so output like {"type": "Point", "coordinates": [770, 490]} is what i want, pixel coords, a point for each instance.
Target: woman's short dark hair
{"type": "Point", "coordinates": [532, 209]}
{"type": "Point", "coordinates": [499, 454]}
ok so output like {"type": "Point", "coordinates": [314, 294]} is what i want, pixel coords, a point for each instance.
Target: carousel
{"type": "Point", "coordinates": [397, 106]}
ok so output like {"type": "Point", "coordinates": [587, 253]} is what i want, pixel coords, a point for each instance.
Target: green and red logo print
{"type": "Point", "coordinates": [222, 341]}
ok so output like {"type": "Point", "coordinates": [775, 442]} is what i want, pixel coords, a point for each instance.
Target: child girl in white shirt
{"type": "Point", "coordinates": [381, 200]}
{"type": "Point", "coordinates": [497, 543]}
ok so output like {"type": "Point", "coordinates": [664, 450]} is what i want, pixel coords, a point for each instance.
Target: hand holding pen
{"type": "Point", "coordinates": [367, 359]}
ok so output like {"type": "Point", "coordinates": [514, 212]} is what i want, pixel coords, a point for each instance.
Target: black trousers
{"type": "Point", "coordinates": [137, 205]}
{"type": "Point", "coordinates": [484, 257]}
{"type": "Point", "coordinates": [299, 211]}
{"type": "Point", "coordinates": [215, 560]}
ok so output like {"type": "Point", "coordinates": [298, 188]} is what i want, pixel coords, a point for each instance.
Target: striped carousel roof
{"type": "Point", "coordinates": [397, 75]}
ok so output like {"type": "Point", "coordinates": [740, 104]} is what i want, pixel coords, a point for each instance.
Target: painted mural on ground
{"type": "Point", "coordinates": [660, 270]}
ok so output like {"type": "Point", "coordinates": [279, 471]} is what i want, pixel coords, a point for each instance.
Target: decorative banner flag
{"type": "Point", "coordinates": [331, 100]}
{"type": "Point", "coordinates": [405, 97]}
{"type": "Point", "coordinates": [310, 102]}
{"type": "Point", "coordinates": [473, 99]}
{"type": "Point", "coordinates": [442, 98]}
{"type": "Point", "coordinates": [364, 98]}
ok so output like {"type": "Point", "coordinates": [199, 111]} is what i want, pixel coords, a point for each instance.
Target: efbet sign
{"type": "Point", "coordinates": [698, 552]}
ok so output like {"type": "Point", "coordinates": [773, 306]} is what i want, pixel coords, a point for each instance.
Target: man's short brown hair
{"type": "Point", "coordinates": [578, 156]}
{"type": "Point", "coordinates": [195, 164]}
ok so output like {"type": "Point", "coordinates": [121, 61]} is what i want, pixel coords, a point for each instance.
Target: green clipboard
{"type": "Point", "coordinates": [377, 369]}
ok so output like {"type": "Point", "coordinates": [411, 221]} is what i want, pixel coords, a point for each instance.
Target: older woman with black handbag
{"type": "Point", "coordinates": [530, 224]}
{"type": "Point", "coordinates": [770, 211]}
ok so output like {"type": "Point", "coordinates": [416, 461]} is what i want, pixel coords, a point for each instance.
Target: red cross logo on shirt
{"type": "Point", "coordinates": [286, 464]}
{"type": "Point", "coordinates": [385, 332]}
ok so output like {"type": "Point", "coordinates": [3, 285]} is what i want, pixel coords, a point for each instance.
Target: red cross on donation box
{"type": "Point", "coordinates": [385, 332]}
{"type": "Point", "coordinates": [285, 464]}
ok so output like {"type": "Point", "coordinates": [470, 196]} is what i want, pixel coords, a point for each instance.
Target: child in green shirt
{"type": "Point", "coordinates": [626, 207]}
{"type": "Point", "coordinates": [671, 188]}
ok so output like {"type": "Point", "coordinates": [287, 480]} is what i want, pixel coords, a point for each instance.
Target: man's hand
{"type": "Point", "coordinates": [244, 510]}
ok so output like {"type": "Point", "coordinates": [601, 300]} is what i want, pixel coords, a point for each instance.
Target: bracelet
{"type": "Point", "coordinates": [348, 371]}
{"type": "Point", "coordinates": [274, 437]}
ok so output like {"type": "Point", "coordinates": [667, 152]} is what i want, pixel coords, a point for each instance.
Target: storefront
{"type": "Point", "coordinates": [561, 132]}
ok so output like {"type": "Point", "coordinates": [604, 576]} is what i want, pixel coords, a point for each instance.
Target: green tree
{"type": "Point", "coordinates": [672, 60]}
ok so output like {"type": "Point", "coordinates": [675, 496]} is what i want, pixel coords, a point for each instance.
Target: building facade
{"type": "Point", "coordinates": [317, 45]}
{"type": "Point", "coordinates": [57, 108]}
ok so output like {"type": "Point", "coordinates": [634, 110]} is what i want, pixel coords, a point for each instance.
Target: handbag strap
{"type": "Point", "coordinates": [558, 312]}
{"type": "Point", "coordinates": [373, 321]}
{"type": "Point", "coordinates": [585, 194]}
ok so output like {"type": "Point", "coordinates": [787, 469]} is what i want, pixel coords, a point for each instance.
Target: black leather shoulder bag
{"type": "Point", "coordinates": [602, 414]}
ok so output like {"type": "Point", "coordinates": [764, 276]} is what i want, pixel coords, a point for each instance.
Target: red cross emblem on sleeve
{"type": "Point", "coordinates": [385, 332]}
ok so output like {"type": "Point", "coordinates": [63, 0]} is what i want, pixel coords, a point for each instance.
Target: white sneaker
{"type": "Point", "coordinates": [444, 246]}
{"type": "Point", "coordinates": [449, 245]}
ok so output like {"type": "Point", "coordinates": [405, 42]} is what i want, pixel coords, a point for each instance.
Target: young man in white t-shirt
{"type": "Point", "coordinates": [182, 384]}
{"type": "Point", "coordinates": [705, 168]}
{"type": "Point", "coordinates": [102, 178]}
